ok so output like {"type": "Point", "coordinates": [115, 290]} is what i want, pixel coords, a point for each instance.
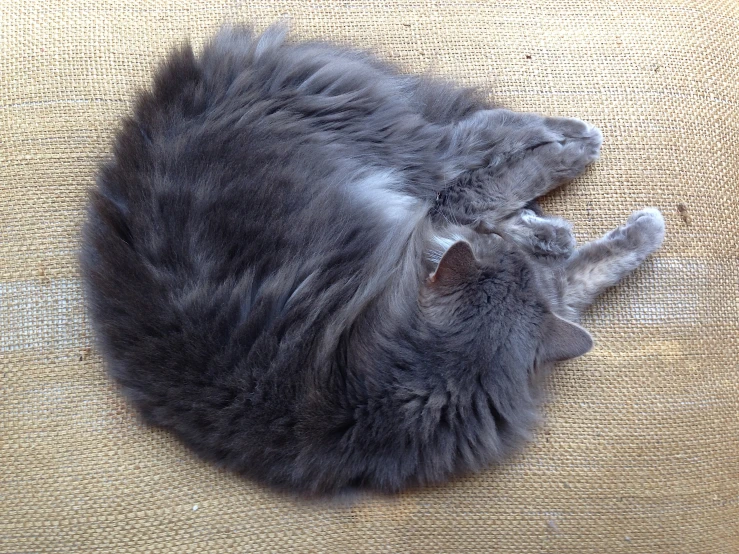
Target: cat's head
{"type": "Point", "coordinates": [498, 296]}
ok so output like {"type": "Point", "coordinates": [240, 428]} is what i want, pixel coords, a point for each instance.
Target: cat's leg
{"type": "Point", "coordinates": [442, 102]}
{"type": "Point", "coordinates": [602, 263]}
{"type": "Point", "coordinates": [499, 161]}
{"type": "Point", "coordinates": [538, 168]}
{"type": "Point", "coordinates": [487, 138]}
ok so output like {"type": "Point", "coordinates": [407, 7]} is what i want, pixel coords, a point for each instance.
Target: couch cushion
{"type": "Point", "coordinates": [640, 448]}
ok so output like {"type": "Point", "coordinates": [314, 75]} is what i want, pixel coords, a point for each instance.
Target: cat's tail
{"type": "Point", "coordinates": [164, 348]}
{"type": "Point", "coordinates": [122, 288]}
{"type": "Point", "coordinates": [186, 84]}
{"type": "Point", "coordinates": [135, 242]}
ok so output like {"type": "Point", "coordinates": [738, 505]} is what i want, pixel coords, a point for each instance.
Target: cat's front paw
{"type": "Point", "coordinates": [648, 227]}
{"type": "Point", "coordinates": [643, 233]}
{"type": "Point", "coordinates": [545, 237]}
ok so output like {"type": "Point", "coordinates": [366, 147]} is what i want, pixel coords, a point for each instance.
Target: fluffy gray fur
{"type": "Point", "coordinates": [323, 273]}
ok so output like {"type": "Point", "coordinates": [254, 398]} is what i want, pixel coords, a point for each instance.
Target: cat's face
{"type": "Point", "coordinates": [501, 296]}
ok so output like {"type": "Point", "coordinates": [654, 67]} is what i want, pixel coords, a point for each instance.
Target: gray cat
{"type": "Point", "coordinates": [323, 273]}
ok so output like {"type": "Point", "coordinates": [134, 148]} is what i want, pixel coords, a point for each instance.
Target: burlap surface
{"type": "Point", "coordinates": [640, 451]}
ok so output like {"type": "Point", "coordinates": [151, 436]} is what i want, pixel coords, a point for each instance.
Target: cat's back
{"type": "Point", "coordinates": [225, 207]}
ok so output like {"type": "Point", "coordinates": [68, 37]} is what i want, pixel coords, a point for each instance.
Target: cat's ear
{"type": "Point", "coordinates": [563, 340]}
{"type": "Point", "coordinates": [458, 265]}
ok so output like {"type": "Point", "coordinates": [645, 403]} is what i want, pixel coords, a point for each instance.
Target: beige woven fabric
{"type": "Point", "coordinates": [640, 450]}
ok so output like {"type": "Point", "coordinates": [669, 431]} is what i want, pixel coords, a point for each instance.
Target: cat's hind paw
{"type": "Point", "coordinates": [574, 146]}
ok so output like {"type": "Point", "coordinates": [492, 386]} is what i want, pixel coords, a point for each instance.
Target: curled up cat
{"type": "Point", "coordinates": [323, 273]}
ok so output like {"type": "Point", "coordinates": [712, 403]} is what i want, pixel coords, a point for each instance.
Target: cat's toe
{"type": "Point", "coordinates": [594, 141]}
{"type": "Point", "coordinates": [571, 127]}
{"type": "Point", "coordinates": [648, 216]}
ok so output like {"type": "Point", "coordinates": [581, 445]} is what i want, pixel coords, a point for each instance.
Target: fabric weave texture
{"type": "Point", "coordinates": [639, 451]}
